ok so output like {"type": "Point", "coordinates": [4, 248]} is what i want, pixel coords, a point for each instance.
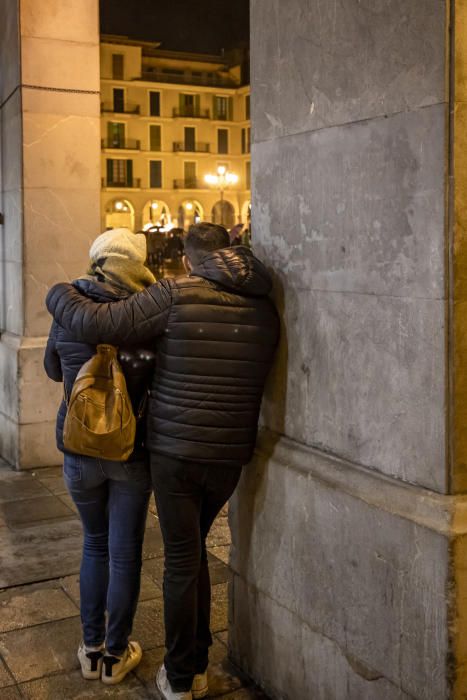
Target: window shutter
{"type": "Point", "coordinates": [154, 104]}
{"type": "Point", "coordinates": [129, 172]}
{"type": "Point", "coordinates": [155, 173]}
{"type": "Point", "coordinates": [155, 137]}
{"type": "Point", "coordinates": [197, 104]}
{"type": "Point", "coordinates": [214, 107]}
{"type": "Point", "coordinates": [230, 109]}
{"type": "Point", "coordinates": [109, 170]}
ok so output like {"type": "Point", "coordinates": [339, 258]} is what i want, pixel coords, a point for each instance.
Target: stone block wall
{"type": "Point", "coordinates": [348, 544]}
{"type": "Point", "coordinates": [352, 222]}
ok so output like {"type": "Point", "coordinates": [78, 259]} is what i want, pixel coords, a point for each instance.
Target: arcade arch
{"type": "Point", "coordinates": [120, 213]}
{"type": "Point", "coordinates": [223, 213]}
{"type": "Point", "coordinates": [190, 212]}
{"type": "Point", "coordinates": [156, 213]}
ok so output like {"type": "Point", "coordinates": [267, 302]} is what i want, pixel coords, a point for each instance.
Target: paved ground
{"type": "Point", "coordinates": [40, 547]}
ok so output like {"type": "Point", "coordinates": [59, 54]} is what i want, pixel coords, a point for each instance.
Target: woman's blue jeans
{"type": "Point", "coordinates": [112, 499]}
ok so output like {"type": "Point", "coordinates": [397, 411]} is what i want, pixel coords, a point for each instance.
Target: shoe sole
{"type": "Point", "coordinates": [113, 680]}
{"type": "Point", "coordinates": [197, 695]}
{"type": "Point", "coordinates": [91, 675]}
{"type": "Point", "coordinates": [159, 694]}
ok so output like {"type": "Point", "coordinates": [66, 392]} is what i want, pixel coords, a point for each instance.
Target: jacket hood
{"type": "Point", "coordinates": [99, 291]}
{"type": "Point", "coordinates": [236, 269]}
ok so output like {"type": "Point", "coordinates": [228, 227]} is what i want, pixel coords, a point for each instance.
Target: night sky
{"type": "Point", "coordinates": [202, 26]}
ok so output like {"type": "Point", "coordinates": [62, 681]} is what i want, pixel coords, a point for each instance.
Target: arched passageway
{"type": "Point", "coordinates": [156, 213]}
{"type": "Point", "coordinates": [223, 213]}
{"type": "Point", "coordinates": [190, 212]}
{"type": "Point", "coordinates": [120, 213]}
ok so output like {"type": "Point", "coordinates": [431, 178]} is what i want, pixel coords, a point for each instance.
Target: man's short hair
{"type": "Point", "coordinates": [204, 238]}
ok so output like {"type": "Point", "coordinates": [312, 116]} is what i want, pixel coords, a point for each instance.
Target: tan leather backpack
{"type": "Point", "coordinates": [100, 421]}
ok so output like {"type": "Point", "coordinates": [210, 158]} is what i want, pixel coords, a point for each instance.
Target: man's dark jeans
{"type": "Point", "coordinates": [188, 496]}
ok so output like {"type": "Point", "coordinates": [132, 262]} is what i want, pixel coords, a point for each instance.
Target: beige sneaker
{"type": "Point", "coordinates": [90, 659]}
{"type": "Point", "coordinates": [115, 668]}
{"type": "Point", "coordinates": [200, 688]}
{"type": "Point", "coordinates": [165, 689]}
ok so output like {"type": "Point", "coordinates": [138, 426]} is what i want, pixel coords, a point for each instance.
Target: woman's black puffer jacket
{"type": "Point", "coordinates": [214, 332]}
{"type": "Point", "coordinates": [65, 355]}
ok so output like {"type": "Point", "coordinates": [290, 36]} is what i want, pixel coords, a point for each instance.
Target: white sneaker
{"type": "Point", "coordinates": [165, 689]}
{"type": "Point", "coordinates": [115, 668]}
{"type": "Point", "coordinates": [90, 659]}
{"type": "Point", "coordinates": [200, 688]}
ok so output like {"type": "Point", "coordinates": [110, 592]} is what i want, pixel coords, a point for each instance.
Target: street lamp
{"type": "Point", "coordinates": [221, 179]}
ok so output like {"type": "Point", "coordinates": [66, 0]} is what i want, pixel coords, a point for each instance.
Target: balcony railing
{"type": "Point", "coordinates": [194, 148]}
{"type": "Point", "coordinates": [192, 112]}
{"type": "Point", "coordinates": [124, 144]}
{"type": "Point", "coordinates": [188, 79]}
{"type": "Point", "coordinates": [135, 182]}
{"type": "Point", "coordinates": [189, 183]}
{"type": "Point", "coordinates": [127, 108]}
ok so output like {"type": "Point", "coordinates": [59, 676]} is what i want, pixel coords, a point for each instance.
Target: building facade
{"type": "Point", "coordinates": [168, 119]}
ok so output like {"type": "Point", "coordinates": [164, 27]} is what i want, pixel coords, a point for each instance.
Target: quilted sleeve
{"type": "Point", "coordinates": [52, 364]}
{"type": "Point", "coordinates": [138, 318]}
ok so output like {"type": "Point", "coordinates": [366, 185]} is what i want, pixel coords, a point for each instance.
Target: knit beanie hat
{"type": "Point", "coordinates": [118, 257]}
{"type": "Point", "coordinates": [119, 243]}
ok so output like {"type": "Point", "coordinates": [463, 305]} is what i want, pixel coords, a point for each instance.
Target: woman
{"type": "Point", "coordinates": [111, 497]}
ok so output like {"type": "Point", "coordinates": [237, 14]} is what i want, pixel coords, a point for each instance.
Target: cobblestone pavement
{"type": "Point", "coordinates": [40, 548]}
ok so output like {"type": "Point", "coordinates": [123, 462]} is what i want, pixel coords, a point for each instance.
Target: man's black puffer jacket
{"type": "Point", "coordinates": [65, 355]}
{"type": "Point", "coordinates": [215, 333]}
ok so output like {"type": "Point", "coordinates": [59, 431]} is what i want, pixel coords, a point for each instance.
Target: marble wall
{"type": "Point", "coordinates": [342, 587]}
{"type": "Point", "coordinates": [49, 60]}
{"type": "Point", "coordinates": [349, 98]}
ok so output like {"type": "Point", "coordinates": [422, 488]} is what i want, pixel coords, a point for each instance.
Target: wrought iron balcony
{"type": "Point", "coordinates": [189, 183]}
{"type": "Point", "coordinates": [126, 108]}
{"type": "Point", "coordinates": [124, 144]}
{"type": "Point", "coordinates": [134, 183]}
{"type": "Point", "coordinates": [189, 78]}
{"type": "Point", "coordinates": [192, 112]}
{"type": "Point", "coordinates": [195, 148]}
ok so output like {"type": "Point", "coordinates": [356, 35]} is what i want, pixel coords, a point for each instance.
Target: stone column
{"type": "Point", "coordinates": [50, 182]}
{"type": "Point", "coordinates": [350, 525]}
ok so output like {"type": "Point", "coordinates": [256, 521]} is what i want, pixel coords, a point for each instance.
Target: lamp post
{"type": "Point", "coordinates": [221, 180]}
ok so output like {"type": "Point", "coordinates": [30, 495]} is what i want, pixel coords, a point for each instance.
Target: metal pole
{"type": "Point", "coordinates": [222, 207]}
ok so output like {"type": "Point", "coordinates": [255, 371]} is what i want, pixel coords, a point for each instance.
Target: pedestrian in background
{"type": "Point", "coordinates": [235, 234]}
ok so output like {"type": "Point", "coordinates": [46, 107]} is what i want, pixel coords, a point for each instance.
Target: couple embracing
{"type": "Point", "coordinates": [195, 352]}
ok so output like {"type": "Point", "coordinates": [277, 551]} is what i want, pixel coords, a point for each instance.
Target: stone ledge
{"type": "Point", "coordinates": [442, 513]}
{"type": "Point", "coordinates": [18, 342]}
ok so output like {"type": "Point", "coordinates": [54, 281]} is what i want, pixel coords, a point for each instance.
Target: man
{"type": "Point", "coordinates": [215, 332]}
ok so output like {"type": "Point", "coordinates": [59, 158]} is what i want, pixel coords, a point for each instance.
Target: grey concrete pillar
{"type": "Point", "coordinates": [50, 183]}
{"type": "Point", "coordinates": [349, 527]}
